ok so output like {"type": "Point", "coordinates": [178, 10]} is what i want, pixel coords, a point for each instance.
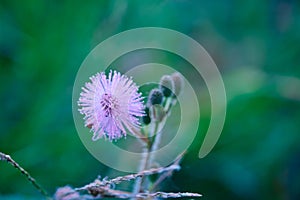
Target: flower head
{"type": "Point", "coordinates": [111, 104]}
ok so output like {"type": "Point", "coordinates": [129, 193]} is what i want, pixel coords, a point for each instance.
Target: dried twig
{"type": "Point", "coordinates": [167, 195]}
{"type": "Point", "coordinates": [102, 188]}
{"type": "Point", "coordinates": [7, 158]}
{"type": "Point", "coordinates": [167, 174]}
{"type": "Point", "coordinates": [109, 193]}
{"type": "Point", "coordinates": [98, 183]}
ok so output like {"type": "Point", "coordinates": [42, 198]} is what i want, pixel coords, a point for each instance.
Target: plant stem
{"type": "Point", "coordinates": [167, 174]}
{"type": "Point", "coordinates": [8, 159]}
{"type": "Point", "coordinates": [152, 146]}
{"type": "Point", "coordinates": [138, 182]}
{"type": "Point", "coordinates": [139, 135]}
{"type": "Point", "coordinates": [144, 165]}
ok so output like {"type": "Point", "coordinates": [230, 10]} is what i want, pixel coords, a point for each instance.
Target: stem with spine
{"type": "Point", "coordinates": [151, 146]}
{"type": "Point", "coordinates": [8, 159]}
{"type": "Point", "coordinates": [145, 161]}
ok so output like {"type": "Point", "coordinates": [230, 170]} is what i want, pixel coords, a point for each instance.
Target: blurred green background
{"type": "Point", "coordinates": [254, 43]}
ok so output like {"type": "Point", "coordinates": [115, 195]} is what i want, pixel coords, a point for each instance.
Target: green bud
{"type": "Point", "coordinates": [166, 85]}
{"type": "Point", "coordinates": [178, 83]}
{"type": "Point", "coordinates": [155, 97]}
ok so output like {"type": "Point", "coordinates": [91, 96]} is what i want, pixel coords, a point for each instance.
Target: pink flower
{"type": "Point", "coordinates": [111, 104]}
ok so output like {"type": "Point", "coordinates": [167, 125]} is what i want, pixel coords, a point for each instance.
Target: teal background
{"type": "Point", "coordinates": [255, 44]}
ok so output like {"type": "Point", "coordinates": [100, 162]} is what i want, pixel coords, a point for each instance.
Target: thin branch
{"type": "Point", "coordinates": [167, 174]}
{"type": "Point", "coordinates": [110, 193]}
{"type": "Point", "coordinates": [168, 195]}
{"type": "Point", "coordinates": [103, 188]}
{"type": "Point", "coordinates": [8, 159]}
{"type": "Point", "coordinates": [98, 183]}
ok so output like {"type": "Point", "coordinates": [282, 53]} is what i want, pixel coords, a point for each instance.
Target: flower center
{"type": "Point", "coordinates": [108, 103]}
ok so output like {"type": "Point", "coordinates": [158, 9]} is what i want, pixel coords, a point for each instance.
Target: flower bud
{"type": "Point", "coordinates": [166, 85]}
{"type": "Point", "coordinates": [155, 97]}
{"type": "Point", "coordinates": [178, 83]}
{"type": "Point", "coordinates": [157, 113]}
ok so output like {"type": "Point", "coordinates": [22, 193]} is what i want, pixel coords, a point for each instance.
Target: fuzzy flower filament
{"type": "Point", "coordinates": [110, 105]}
